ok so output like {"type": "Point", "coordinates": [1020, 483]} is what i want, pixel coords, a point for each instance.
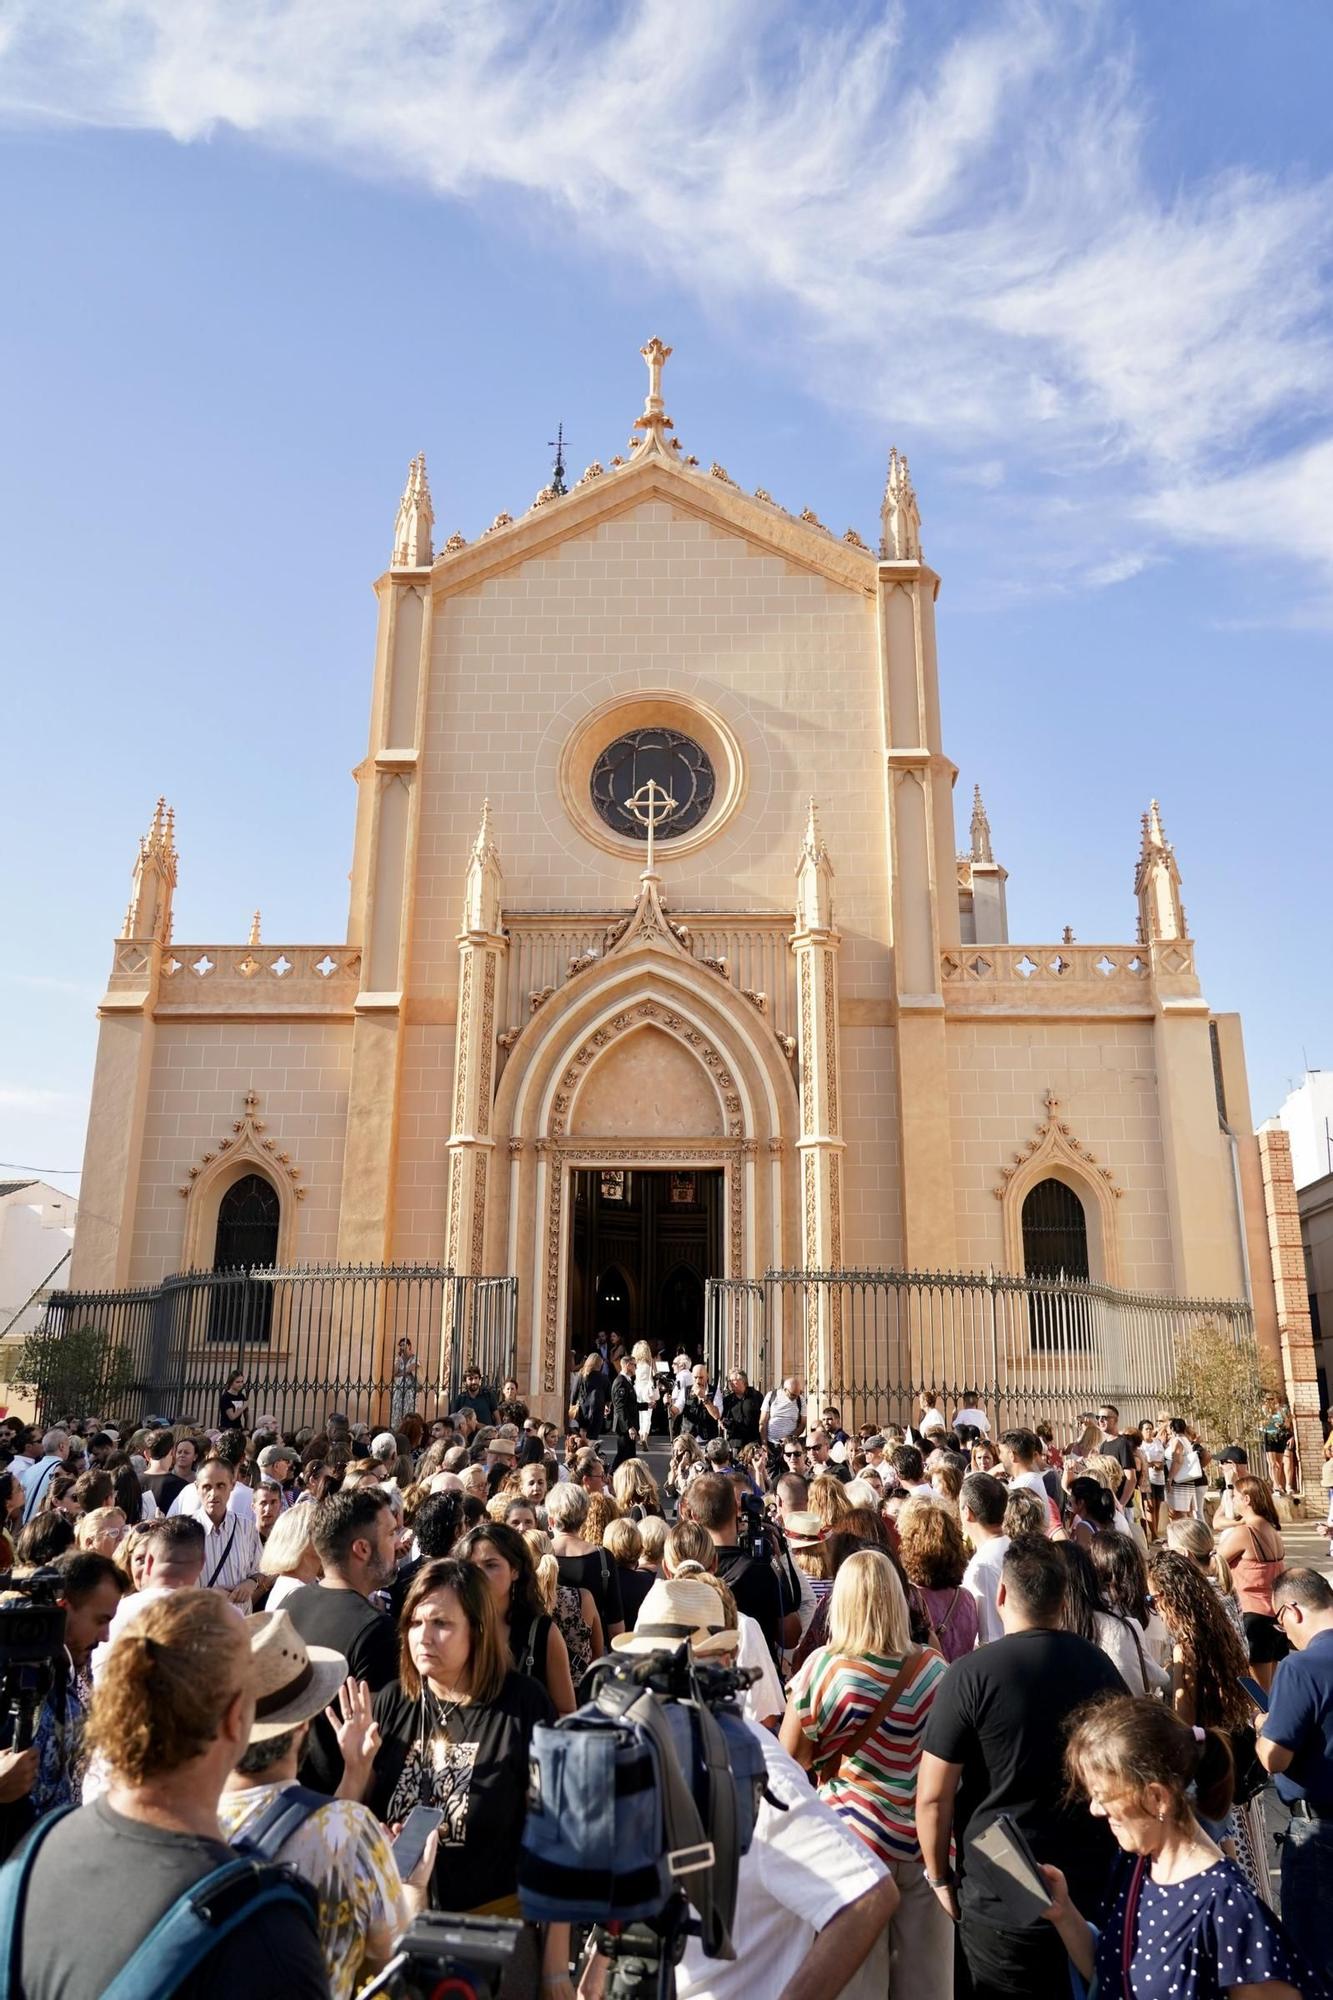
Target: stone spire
{"type": "Point", "coordinates": [1157, 884]}
{"type": "Point", "coordinates": [253, 939]}
{"type": "Point", "coordinates": [814, 879]}
{"type": "Point", "coordinates": [411, 534]}
{"type": "Point", "coordinates": [981, 847]}
{"type": "Point", "coordinates": [481, 895]}
{"type": "Point", "coordinates": [654, 421]}
{"type": "Point", "coordinates": [900, 518]}
{"type": "Point", "coordinates": [154, 879]}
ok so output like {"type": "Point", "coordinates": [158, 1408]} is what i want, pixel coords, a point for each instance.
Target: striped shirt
{"type": "Point", "coordinates": [875, 1790]}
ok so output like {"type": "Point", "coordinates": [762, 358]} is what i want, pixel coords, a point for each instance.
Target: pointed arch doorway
{"type": "Point", "coordinates": [643, 1243]}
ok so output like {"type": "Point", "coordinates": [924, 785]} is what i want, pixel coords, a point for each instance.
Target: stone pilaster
{"type": "Point", "coordinates": [482, 946]}
{"type": "Point", "coordinates": [1292, 1297]}
{"type": "Point", "coordinates": [380, 916]}
{"type": "Point", "coordinates": [814, 944]}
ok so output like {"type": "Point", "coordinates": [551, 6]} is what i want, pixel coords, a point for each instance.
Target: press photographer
{"type": "Point", "coordinates": [810, 1904]}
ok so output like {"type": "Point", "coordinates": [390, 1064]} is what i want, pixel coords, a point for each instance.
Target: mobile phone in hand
{"type": "Point", "coordinates": [410, 1845]}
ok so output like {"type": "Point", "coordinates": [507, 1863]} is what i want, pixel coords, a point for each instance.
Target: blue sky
{"type": "Point", "coordinates": [1075, 258]}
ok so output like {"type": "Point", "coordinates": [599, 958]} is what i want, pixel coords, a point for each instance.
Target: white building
{"type": "Point", "coordinates": [1307, 1117]}
{"type": "Point", "coordinates": [36, 1239]}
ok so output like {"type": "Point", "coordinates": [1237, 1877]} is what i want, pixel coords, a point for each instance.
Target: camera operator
{"type": "Point", "coordinates": [741, 1404]}
{"type": "Point", "coordinates": [813, 1903]}
{"type": "Point", "coordinates": [713, 1502]}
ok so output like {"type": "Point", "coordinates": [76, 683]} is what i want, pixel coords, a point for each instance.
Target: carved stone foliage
{"type": "Point", "coordinates": [807, 1049]}
{"type": "Point", "coordinates": [247, 1140]}
{"type": "Point", "coordinates": [830, 1045]}
{"type": "Point", "coordinates": [635, 1017]}
{"type": "Point", "coordinates": [487, 1045]}
{"type": "Point", "coordinates": [464, 1024]}
{"type": "Point", "coordinates": [1054, 1140]}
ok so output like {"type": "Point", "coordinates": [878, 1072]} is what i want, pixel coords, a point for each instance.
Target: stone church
{"type": "Point", "coordinates": [662, 962]}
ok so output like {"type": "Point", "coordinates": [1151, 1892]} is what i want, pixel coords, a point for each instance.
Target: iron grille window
{"type": "Point", "coordinates": [679, 764]}
{"type": "Point", "coordinates": [1055, 1233]}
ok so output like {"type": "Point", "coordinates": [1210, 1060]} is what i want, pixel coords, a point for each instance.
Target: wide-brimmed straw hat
{"type": "Point", "coordinates": [803, 1529]}
{"type": "Point", "coordinates": [501, 1447]}
{"type": "Point", "coordinates": [293, 1682]}
{"type": "Point", "coordinates": [678, 1608]}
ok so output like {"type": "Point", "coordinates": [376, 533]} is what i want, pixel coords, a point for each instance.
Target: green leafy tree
{"type": "Point", "coordinates": [1220, 1385]}
{"type": "Point", "coordinates": [71, 1372]}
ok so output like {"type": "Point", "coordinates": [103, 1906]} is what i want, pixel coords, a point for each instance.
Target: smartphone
{"type": "Point", "coordinates": [410, 1845]}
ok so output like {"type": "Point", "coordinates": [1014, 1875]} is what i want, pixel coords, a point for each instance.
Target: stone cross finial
{"type": "Point", "coordinates": [652, 806]}
{"type": "Point", "coordinates": [981, 847]}
{"type": "Point", "coordinates": [900, 517]}
{"type": "Point", "coordinates": [654, 421]}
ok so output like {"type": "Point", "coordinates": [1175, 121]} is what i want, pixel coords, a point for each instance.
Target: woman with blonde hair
{"type": "Point", "coordinates": [652, 1544]}
{"type": "Point", "coordinates": [602, 1511]}
{"type": "Point", "coordinates": [102, 1531]}
{"type": "Point", "coordinates": [583, 1564]}
{"type": "Point", "coordinates": [1195, 1539]}
{"type": "Point", "coordinates": [132, 1552]}
{"type": "Point", "coordinates": [573, 1610]}
{"type": "Point", "coordinates": [634, 1486]}
{"type": "Point", "coordinates": [289, 1559]}
{"type": "Point", "coordinates": [1256, 1553]}
{"type": "Point", "coordinates": [855, 1715]}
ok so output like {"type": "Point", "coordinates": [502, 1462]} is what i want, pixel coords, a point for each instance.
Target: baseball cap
{"type": "Point", "coordinates": [1232, 1454]}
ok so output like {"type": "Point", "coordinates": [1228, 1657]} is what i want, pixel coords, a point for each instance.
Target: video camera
{"type": "Point", "coordinates": [446, 1957]}
{"type": "Point", "coordinates": [753, 1532]}
{"type": "Point", "coordinates": [640, 1807]}
{"type": "Point", "coordinates": [32, 1652]}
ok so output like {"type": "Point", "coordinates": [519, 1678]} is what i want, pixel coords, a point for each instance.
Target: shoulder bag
{"type": "Point", "coordinates": [829, 1767]}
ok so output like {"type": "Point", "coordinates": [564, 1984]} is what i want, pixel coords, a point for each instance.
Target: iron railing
{"type": "Point", "coordinates": [1024, 1348]}
{"type": "Point", "coordinates": [310, 1341]}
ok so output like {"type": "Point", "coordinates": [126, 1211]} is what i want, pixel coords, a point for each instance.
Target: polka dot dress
{"type": "Point", "coordinates": [1192, 1940]}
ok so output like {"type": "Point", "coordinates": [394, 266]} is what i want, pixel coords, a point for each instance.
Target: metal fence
{"type": "Point", "coordinates": [309, 1341]}
{"type": "Point", "coordinates": [1024, 1348]}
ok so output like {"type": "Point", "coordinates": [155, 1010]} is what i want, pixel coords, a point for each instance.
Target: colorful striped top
{"type": "Point", "coordinates": [875, 1790]}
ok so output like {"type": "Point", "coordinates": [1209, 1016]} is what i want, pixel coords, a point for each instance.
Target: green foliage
{"type": "Point", "coordinates": [1220, 1385]}
{"type": "Point", "coordinates": [72, 1372]}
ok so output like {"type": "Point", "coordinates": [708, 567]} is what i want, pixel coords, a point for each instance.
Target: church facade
{"type": "Point", "coordinates": [662, 962]}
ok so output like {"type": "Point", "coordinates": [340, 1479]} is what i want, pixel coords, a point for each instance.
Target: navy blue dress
{"type": "Point", "coordinates": [1192, 1940]}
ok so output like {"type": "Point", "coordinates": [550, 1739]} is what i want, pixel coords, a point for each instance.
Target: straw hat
{"type": "Point", "coordinates": [293, 1682]}
{"type": "Point", "coordinates": [803, 1529]}
{"type": "Point", "coordinates": [678, 1608]}
{"type": "Point", "coordinates": [502, 1447]}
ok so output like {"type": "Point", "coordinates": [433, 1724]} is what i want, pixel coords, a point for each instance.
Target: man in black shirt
{"type": "Point", "coordinates": [624, 1411]}
{"type": "Point", "coordinates": [1124, 1450]}
{"type": "Point", "coordinates": [161, 1478]}
{"type": "Point", "coordinates": [740, 1410]}
{"type": "Point", "coordinates": [354, 1537]}
{"type": "Point", "coordinates": [698, 1411]}
{"type": "Point", "coordinates": [711, 1501]}
{"type": "Point", "coordinates": [479, 1400]}
{"type": "Point", "coordinates": [994, 1743]}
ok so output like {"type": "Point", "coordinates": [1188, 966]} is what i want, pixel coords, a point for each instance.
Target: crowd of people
{"type": "Point", "coordinates": [966, 1644]}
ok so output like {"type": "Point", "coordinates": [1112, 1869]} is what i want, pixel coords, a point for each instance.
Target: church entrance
{"type": "Point", "coordinates": [643, 1246]}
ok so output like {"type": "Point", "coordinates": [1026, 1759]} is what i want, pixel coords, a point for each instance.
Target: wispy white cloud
{"type": "Point", "coordinates": [965, 236]}
{"type": "Point", "coordinates": [33, 1097]}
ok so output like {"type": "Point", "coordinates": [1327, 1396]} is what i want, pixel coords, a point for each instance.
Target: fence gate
{"type": "Point", "coordinates": [1024, 1348]}
{"type": "Point", "coordinates": [309, 1342]}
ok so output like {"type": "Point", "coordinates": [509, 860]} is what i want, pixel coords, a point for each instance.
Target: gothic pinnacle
{"type": "Point", "coordinates": [412, 529]}
{"type": "Point", "coordinates": [980, 829]}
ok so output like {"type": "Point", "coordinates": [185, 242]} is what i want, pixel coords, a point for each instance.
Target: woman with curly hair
{"type": "Point", "coordinates": [1207, 1663]}
{"type": "Point", "coordinates": [602, 1511]}
{"type": "Point", "coordinates": [634, 1487]}
{"type": "Point", "coordinates": [930, 1544]}
{"type": "Point", "coordinates": [827, 1498]}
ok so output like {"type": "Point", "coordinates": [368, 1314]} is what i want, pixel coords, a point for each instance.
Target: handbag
{"type": "Point", "coordinates": [829, 1767]}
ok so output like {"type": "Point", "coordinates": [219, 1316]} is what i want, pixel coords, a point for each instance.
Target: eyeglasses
{"type": "Point", "coordinates": [1280, 1613]}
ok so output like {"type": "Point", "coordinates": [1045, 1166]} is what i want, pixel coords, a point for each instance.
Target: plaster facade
{"type": "Point", "coordinates": [811, 989]}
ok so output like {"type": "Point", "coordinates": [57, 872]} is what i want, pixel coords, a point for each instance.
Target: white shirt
{"type": "Point", "coordinates": [765, 1696]}
{"type": "Point", "coordinates": [242, 1502]}
{"type": "Point", "coordinates": [972, 1415]}
{"type": "Point", "coordinates": [803, 1868]}
{"type": "Point", "coordinates": [932, 1420]}
{"type": "Point", "coordinates": [783, 1413]}
{"type": "Point", "coordinates": [134, 1601]}
{"type": "Point", "coordinates": [231, 1552]}
{"type": "Point", "coordinates": [36, 1482]}
{"type": "Point", "coordinates": [1154, 1453]}
{"type": "Point", "coordinates": [283, 1588]}
{"type": "Point", "coordinates": [982, 1579]}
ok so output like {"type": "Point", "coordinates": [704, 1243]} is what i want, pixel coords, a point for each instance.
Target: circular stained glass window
{"type": "Point", "coordinates": [676, 763]}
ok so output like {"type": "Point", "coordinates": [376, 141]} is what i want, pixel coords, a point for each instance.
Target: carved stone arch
{"type": "Point", "coordinates": [245, 1149]}
{"type": "Point", "coordinates": [1054, 1153]}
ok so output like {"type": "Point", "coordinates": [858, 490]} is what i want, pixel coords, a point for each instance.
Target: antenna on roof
{"type": "Point", "coordinates": [557, 445]}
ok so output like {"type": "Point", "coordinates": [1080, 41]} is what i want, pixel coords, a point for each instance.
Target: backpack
{"type": "Point", "coordinates": [183, 1936]}
{"type": "Point", "coordinates": [613, 1826]}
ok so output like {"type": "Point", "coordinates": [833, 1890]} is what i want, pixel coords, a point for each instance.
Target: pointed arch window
{"type": "Point", "coordinates": [1055, 1232]}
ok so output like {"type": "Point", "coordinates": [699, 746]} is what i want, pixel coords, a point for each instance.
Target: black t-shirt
{"type": "Point", "coordinates": [696, 1419]}
{"type": "Point", "coordinates": [740, 1416]}
{"type": "Point", "coordinates": [231, 1411]}
{"type": "Point", "coordinates": [1122, 1450]}
{"type": "Point", "coordinates": [1001, 1713]}
{"type": "Point", "coordinates": [600, 1577]}
{"type": "Point", "coordinates": [164, 1487]}
{"type": "Point", "coordinates": [100, 1884]}
{"type": "Point", "coordinates": [754, 1585]}
{"type": "Point", "coordinates": [634, 1587]}
{"type": "Point", "coordinates": [476, 1767]}
{"type": "Point", "coordinates": [367, 1639]}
